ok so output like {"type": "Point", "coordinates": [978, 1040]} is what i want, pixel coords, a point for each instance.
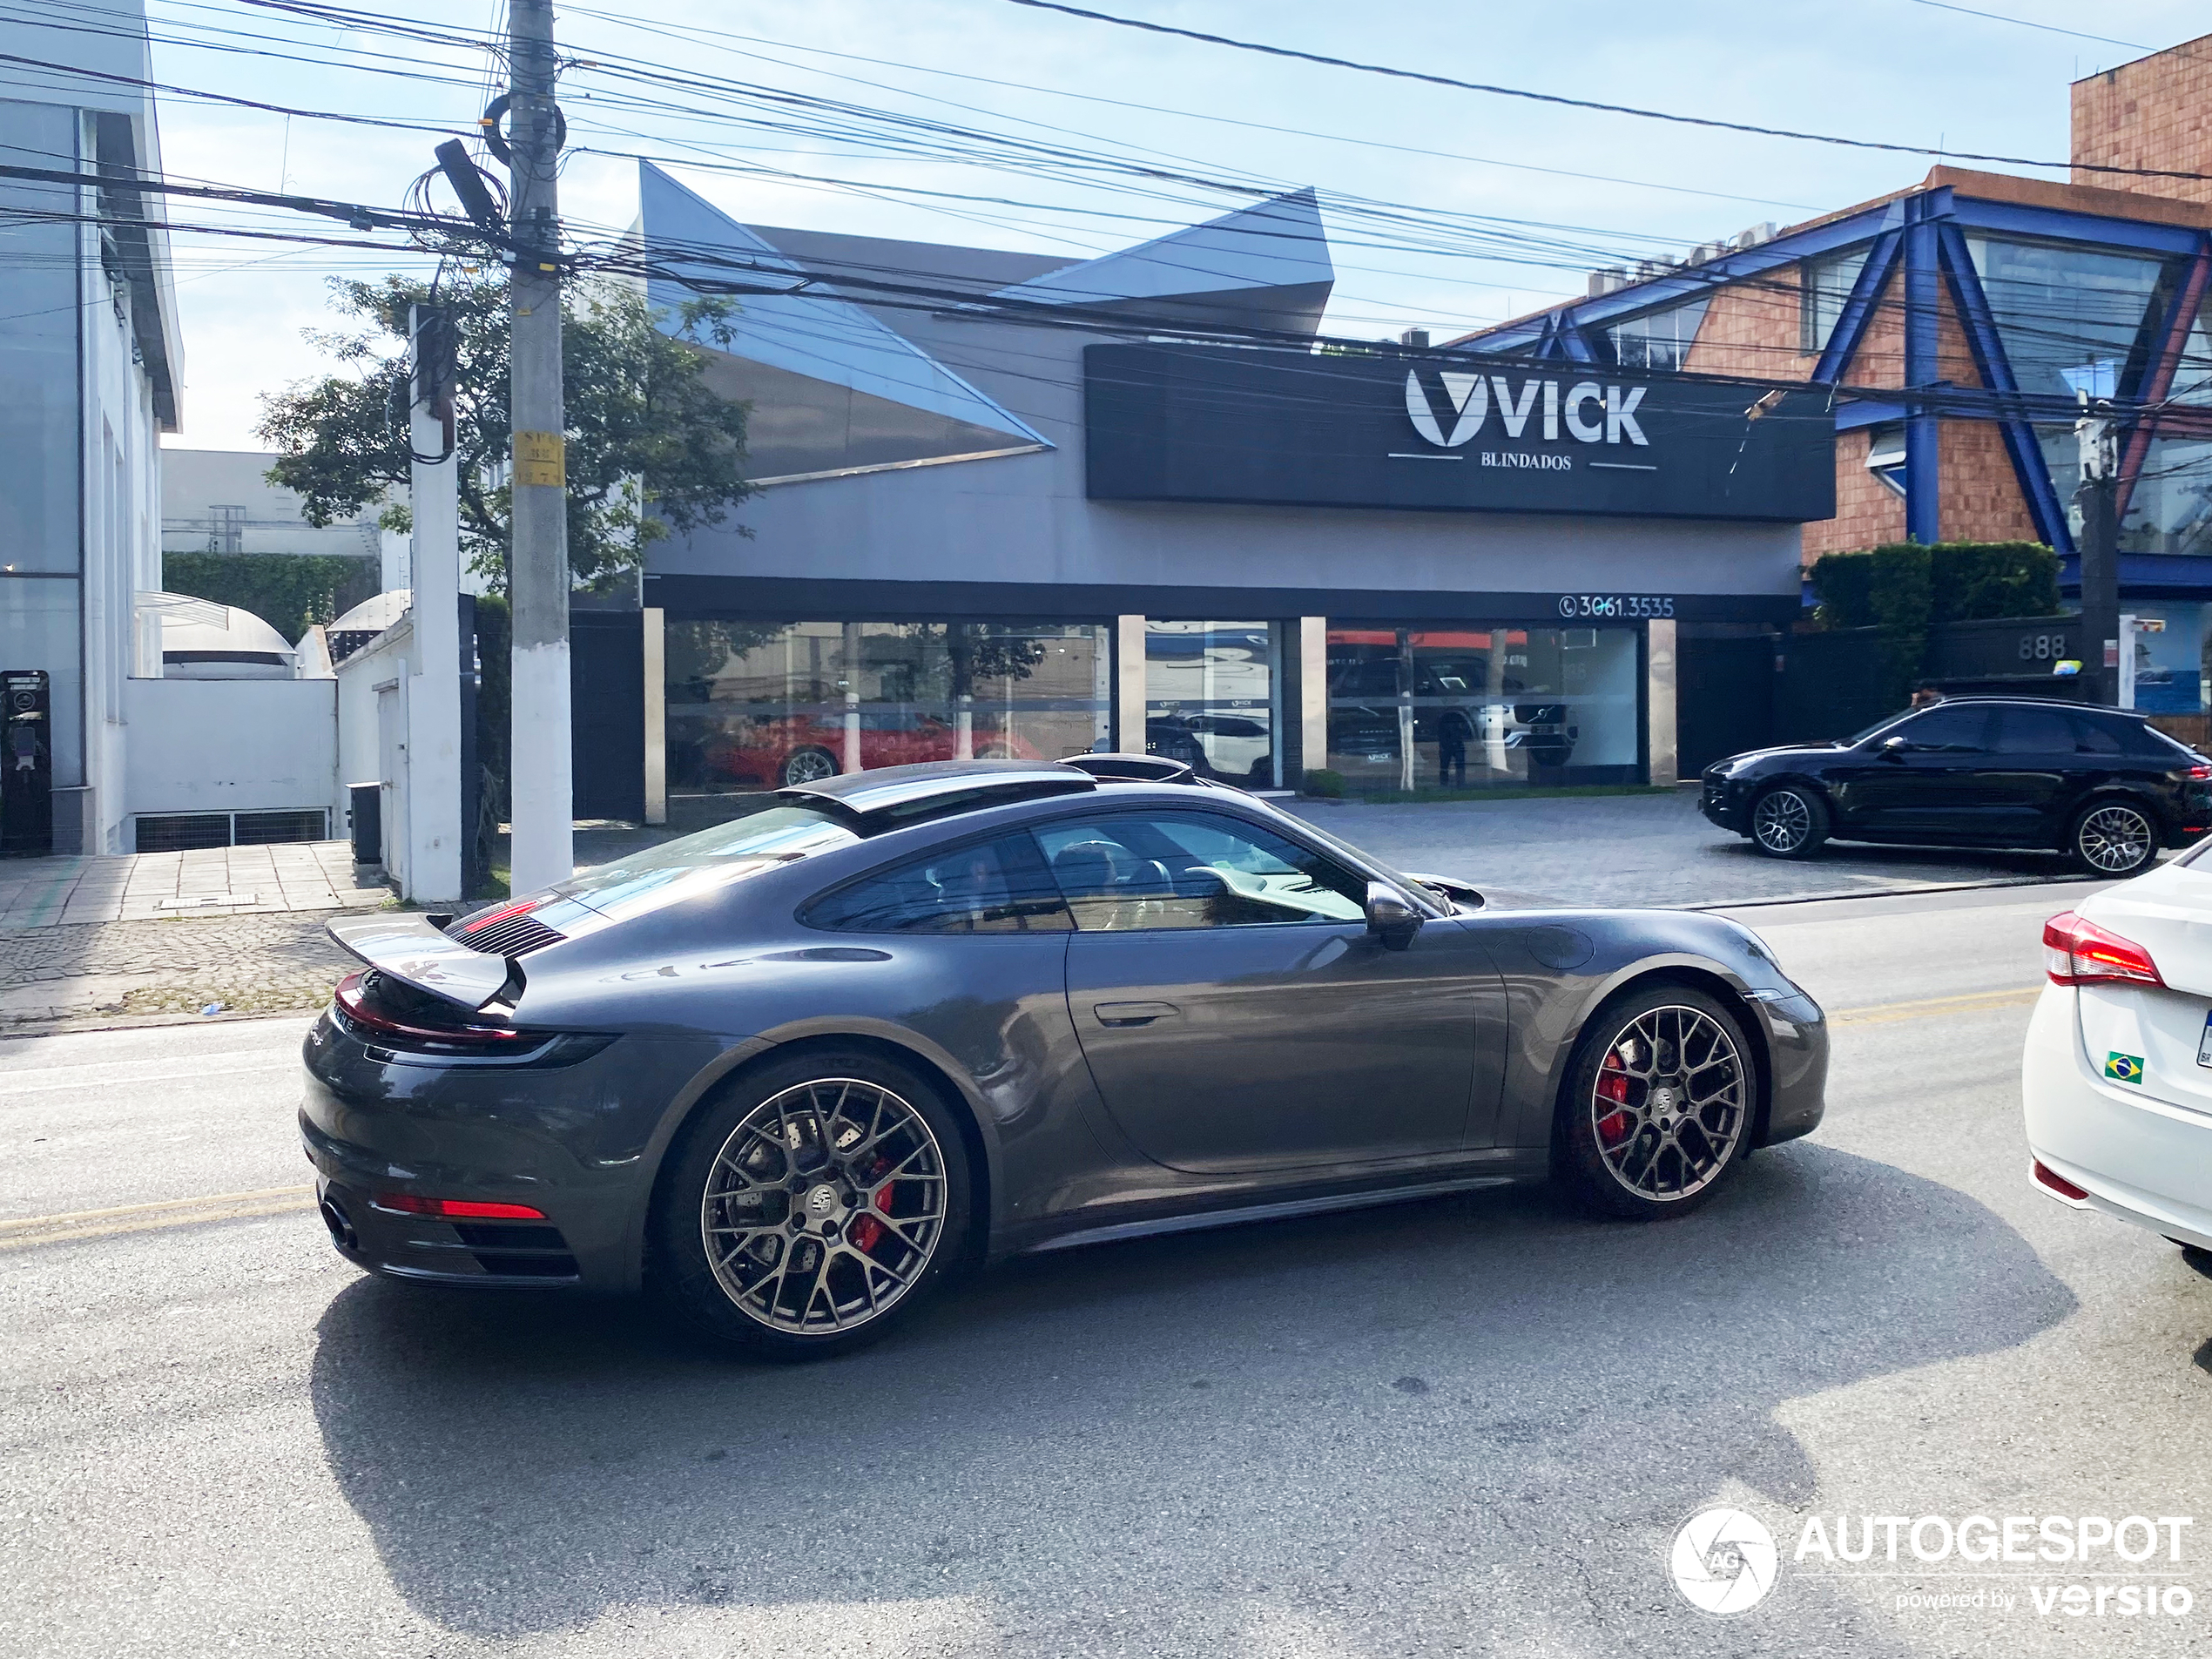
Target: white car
{"type": "Point", "coordinates": [2117, 1076]}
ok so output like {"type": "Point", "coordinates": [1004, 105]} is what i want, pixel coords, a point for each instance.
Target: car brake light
{"type": "Point", "coordinates": [356, 1003]}
{"type": "Point", "coordinates": [523, 906]}
{"type": "Point", "coordinates": [407, 1204]}
{"type": "Point", "coordinates": [2056, 1184]}
{"type": "Point", "coordinates": [2078, 952]}
{"type": "Point", "coordinates": [2200, 773]}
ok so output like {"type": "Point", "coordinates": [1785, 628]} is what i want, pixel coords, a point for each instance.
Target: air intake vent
{"type": "Point", "coordinates": [513, 935]}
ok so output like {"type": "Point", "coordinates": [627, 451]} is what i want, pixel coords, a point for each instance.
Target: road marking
{"type": "Point", "coordinates": [9, 1091]}
{"type": "Point", "coordinates": [34, 1230]}
{"type": "Point", "coordinates": [1973, 1002]}
{"type": "Point", "coordinates": [150, 1060]}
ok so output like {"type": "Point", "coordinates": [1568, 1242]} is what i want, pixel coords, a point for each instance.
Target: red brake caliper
{"type": "Point", "coordinates": [1613, 1085]}
{"type": "Point", "coordinates": [867, 1232]}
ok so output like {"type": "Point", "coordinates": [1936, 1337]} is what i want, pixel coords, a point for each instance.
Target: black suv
{"type": "Point", "coordinates": [2102, 786]}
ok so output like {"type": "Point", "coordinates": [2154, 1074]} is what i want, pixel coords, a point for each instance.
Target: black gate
{"type": "Point", "coordinates": [607, 703]}
{"type": "Point", "coordinates": [1723, 699]}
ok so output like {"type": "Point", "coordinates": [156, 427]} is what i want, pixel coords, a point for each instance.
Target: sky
{"type": "Point", "coordinates": [1446, 209]}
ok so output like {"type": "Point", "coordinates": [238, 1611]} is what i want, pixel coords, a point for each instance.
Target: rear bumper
{"type": "Point", "coordinates": [577, 1144]}
{"type": "Point", "coordinates": [2136, 1158]}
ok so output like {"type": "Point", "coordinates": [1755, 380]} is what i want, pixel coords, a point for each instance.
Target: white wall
{"type": "Point", "coordinates": [232, 746]}
{"type": "Point", "coordinates": [364, 721]}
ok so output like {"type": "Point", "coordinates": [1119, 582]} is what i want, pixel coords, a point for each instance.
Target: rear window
{"type": "Point", "coordinates": [729, 852]}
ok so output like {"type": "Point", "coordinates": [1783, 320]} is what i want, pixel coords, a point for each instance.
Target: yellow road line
{"type": "Point", "coordinates": [34, 1230]}
{"type": "Point", "coordinates": [1973, 1002]}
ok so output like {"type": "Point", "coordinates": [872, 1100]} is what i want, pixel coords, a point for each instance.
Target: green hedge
{"type": "Point", "coordinates": [290, 591]}
{"type": "Point", "coordinates": [1907, 588]}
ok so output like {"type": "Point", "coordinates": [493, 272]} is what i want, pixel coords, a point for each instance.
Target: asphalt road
{"type": "Point", "coordinates": [1467, 1425]}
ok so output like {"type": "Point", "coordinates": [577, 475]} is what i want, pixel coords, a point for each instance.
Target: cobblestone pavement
{"type": "Point", "coordinates": [70, 973]}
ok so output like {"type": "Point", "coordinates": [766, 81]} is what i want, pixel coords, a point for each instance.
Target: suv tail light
{"type": "Point", "coordinates": [2078, 952]}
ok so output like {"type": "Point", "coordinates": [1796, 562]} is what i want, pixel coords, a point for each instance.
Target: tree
{"type": "Point", "coordinates": [652, 448]}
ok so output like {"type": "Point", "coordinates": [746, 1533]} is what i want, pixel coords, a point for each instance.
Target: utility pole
{"type": "Point", "coordinates": [2099, 499]}
{"type": "Point", "coordinates": [434, 749]}
{"type": "Point", "coordinates": [542, 808]}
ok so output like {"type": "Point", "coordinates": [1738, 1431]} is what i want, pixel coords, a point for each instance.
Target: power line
{"type": "Point", "coordinates": [2022, 23]}
{"type": "Point", "coordinates": [1394, 73]}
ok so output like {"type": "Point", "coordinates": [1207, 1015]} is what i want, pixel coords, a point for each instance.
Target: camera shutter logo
{"type": "Point", "coordinates": [1724, 1561]}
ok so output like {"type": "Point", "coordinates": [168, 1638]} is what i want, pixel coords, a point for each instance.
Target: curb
{"type": "Point", "coordinates": [1887, 893]}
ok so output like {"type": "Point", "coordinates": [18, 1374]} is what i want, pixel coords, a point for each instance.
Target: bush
{"type": "Point", "coordinates": [1907, 588]}
{"type": "Point", "coordinates": [290, 591]}
{"type": "Point", "coordinates": [1320, 780]}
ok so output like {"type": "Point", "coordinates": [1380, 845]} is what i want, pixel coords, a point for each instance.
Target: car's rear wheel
{"type": "Point", "coordinates": [1659, 1103]}
{"type": "Point", "coordinates": [2113, 838]}
{"type": "Point", "coordinates": [807, 765]}
{"type": "Point", "coordinates": [812, 1205]}
{"type": "Point", "coordinates": [1789, 822]}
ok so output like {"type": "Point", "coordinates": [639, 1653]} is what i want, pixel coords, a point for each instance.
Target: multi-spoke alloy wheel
{"type": "Point", "coordinates": [2114, 840]}
{"type": "Point", "coordinates": [819, 1199]}
{"type": "Point", "coordinates": [1788, 823]}
{"type": "Point", "coordinates": [808, 766]}
{"type": "Point", "coordinates": [1661, 1100]}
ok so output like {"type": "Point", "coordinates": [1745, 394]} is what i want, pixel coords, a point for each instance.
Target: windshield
{"type": "Point", "coordinates": [1857, 738]}
{"type": "Point", "coordinates": [760, 840]}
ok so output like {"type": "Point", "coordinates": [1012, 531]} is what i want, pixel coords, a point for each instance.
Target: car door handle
{"type": "Point", "coordinates": [1134, 1012]}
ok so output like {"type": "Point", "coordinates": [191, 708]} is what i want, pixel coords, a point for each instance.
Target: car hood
{"type": "Point", "coordinates": [1791, 752]}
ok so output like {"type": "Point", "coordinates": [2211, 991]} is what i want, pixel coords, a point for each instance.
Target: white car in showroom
{"type": "Point", "coordinates": [2117, 1076]}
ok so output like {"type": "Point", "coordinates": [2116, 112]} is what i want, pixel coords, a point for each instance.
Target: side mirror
{"type": "Point", "coordinates": [1895, 747]}
{"type": "Point", "coordinates": [1390, 917]}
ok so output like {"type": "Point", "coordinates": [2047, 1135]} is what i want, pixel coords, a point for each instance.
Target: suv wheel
{"type": "Point", "coordinates": [1789, 822]}
{"type": "Point", "coordinates": [812, 1205]}
{"type": "Point", "coordinates": [2113, 838]}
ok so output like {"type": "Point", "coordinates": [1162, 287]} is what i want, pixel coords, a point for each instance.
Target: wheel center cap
{"type": "Point", "coordinates": [1662, 1100]}
{"type": "Point", "coordinates": [822, 1202]}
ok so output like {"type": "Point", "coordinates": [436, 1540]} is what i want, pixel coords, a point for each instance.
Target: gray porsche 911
{"type": "Point", "coordinates": [788, 1073]}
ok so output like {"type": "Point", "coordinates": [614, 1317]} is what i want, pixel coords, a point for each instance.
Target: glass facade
{"type": "Point", "coordinates": [2073, 319]}
{"type": "Point", "coordinates": [2170, 664]}
{"type": "Point", "coordinates": [1213, 698]}
{"type": "Point", "coordinates": [1660, 340]}
{"type": "Point", "coordinates": [759, 706]}
{"type": "Point", "coordinates": [1430, 706]}
{"type": "Point", "coordinates": [1827, 284]}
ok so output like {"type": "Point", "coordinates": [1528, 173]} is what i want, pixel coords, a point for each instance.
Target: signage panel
{"type": "Point", "coordinates": [1473, 433]}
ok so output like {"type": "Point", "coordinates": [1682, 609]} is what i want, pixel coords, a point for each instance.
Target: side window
{"type": "Point", "coordinates": [999, 887]}
{"type": "Point", "coordinates": [2095, 737]}
{"type": "Point", "coordinates": [1132, 872]}
{"type": "Point", "coordinates": [1947, 731]}
{"type": "Point", "coordinates": [2034, 732]}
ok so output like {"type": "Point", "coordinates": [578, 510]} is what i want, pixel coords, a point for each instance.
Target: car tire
{"type": "Point", "coordinates": [1789, 822]}
{"type": "Point", "coordinates": [807, 765]}
{"type": "Point", "coordinates": [1659, 1104]}
{"type": "Point", "coordinates": [767, 1237]}
{"type": "Point", "coordinates": [2113, 838]}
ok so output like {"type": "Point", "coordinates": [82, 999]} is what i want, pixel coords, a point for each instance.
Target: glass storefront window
{"type": "Point", "coordinates": [761, 705]}
{"type": "Point", "coordinates": [1212, 698]}
{"type": "Point", "coordinates": [2169, 664]}
{"type": "Point", "coordinates": [1455, 705]}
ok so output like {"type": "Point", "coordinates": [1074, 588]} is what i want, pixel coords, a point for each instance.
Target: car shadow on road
{"type": "Point", "coordinates": [1384, 1421]}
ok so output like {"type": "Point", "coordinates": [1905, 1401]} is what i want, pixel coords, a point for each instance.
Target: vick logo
{"type": "Point", "coordinates": [1590, 413]}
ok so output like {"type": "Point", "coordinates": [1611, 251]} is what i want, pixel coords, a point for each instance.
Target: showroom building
{"type": "Point", "coordinates": [997, 518]}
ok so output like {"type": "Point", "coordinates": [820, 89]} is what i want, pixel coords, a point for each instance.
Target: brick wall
{"type": "Point", "coordinates": [1751, 328]}
{"type": "Point", "coordinates": [2153, 112]}
{"type": "Point", "coordinates": [1868, 512]}
{"type": "Point", "coordinates": [1978, 496]}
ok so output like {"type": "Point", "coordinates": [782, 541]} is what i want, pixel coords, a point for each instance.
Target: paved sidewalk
{"type": "Point", "coordinates": [147, 887]}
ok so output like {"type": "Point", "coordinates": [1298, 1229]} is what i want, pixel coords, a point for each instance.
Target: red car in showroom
{"type": "Point", "coordinates": [782, 751]}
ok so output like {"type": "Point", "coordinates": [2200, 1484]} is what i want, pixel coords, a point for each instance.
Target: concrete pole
{"type": "Point", "coordinates": [543, 807]}
{"type": "Point", "coordinates": [434, 826]}
{"type": "Point", "coordinates": [2100, 501]}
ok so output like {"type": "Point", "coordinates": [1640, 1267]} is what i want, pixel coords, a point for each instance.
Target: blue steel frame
{"type": "Point", "coordinates": [1919, 240]}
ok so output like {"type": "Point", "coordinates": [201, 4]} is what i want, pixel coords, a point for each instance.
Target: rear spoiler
{"type": "Point", "coordinates": [409, 946]}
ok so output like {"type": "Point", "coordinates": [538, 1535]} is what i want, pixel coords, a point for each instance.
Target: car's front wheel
{"type": "Point", "coordinates": [1789, 822]}
{"type": "Point", "coordinates": [2113, 838]}
{"type": "Point", "coordinates": [811, 1205]}
{"type": "Point", "coordinates": [1659, 1103]}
